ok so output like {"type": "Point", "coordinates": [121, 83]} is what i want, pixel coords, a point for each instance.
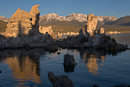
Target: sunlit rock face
{"type": "Point", "coordinates": [23, 23]}
{"type": "Point", "coordinates": [90, 25]}
{"type": "Point", "coordinates": [48, 30]}
{"type": "Point", "coordinates": [102, 31]}
{"type": "Point", "coordinates": [23, 31]}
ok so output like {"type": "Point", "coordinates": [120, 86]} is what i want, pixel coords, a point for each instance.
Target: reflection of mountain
{"type": "Point", "coordinates": [24, 65]}
{"type": "Point", "coordinates": [92, 58]}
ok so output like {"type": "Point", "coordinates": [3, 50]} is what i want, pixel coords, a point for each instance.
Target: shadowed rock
{"type": "Point", "coordinates": [60, 81]}
{"type": "Point", "coordinates": [69, 60]}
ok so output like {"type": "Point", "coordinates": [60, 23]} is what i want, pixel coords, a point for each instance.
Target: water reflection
{"type": "Point", "coordinates": [93, 58]}
{"type": "Point", "coordinates": [24, 65]}
{"type": "Point", "coordinates": [69, 68]}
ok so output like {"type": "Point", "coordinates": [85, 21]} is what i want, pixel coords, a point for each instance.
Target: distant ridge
{"type": "Point", "coordinates": [73, 19]}
{"type": "Point", "coordinates": [74, 22]}
{"type": "Point", "coordinates": [124, 21]}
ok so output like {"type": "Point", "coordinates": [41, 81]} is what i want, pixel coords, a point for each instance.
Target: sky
{"type": "Point", "coordinates": [118, 8]}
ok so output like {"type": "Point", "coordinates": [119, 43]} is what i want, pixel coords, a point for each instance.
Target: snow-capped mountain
{"type": "Point", "coordinates": [78, 17]}
{"type": "Point", "coordinates": [72, 17]}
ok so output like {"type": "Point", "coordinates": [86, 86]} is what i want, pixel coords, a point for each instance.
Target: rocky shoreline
{"type": "Point", "coordinates": [23, 32]}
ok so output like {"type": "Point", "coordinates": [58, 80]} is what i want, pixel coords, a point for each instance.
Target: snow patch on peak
{"type": "Point", "coordinates": [74, 16]}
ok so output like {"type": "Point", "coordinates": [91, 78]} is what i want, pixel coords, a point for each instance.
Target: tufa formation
{"type": "Point", "coordinates": [90, 26]}
{"type": "Point", "coordinates": [23, 31]}
{"type": "Point", "coordinates": [90, 37]}
{"type": "Point", "coordinates": [23, 23]}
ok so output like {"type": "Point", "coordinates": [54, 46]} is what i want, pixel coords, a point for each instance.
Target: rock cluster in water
{"type": "Point", "coordinates": [23, 32]}
{"type": "Point", "coordinates": [89, 37]}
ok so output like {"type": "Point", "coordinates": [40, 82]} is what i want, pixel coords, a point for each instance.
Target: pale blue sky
{"type": "Point", "coordinates": [116, 8]}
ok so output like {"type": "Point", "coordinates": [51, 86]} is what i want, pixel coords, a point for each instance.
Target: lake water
{"type": "Point", "coordinates": [22, 68]}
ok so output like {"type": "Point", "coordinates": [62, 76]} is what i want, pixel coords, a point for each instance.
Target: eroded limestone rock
{"type": "Point", "coordinates": [23, 23]}
{"type": "Point", "coordinates": [102, 31]}
{"type": "Point", "coordinates": [89, 37]}
{"type": "Point", "coordinates": [23, 31]}
{"type": "Point", "coordinates": [48, 30]}
{"type": "Point", "coordinates": [90, 25]}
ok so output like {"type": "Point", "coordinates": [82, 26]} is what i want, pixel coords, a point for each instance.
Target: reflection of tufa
{"type": "Point", "coordinates": [93, 59]}
{"type": "Point", "coordinates": [24, 65]}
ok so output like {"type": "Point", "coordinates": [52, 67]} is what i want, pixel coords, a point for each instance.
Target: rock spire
{"type": "Point", "coordinates": [23, 23]}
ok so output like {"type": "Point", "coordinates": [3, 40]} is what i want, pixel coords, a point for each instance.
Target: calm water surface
{"type": "Point", "coordinates": [22, 68]}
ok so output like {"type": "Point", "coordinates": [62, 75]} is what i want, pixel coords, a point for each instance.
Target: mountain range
{"type": "Point", "coordinates": [75, 21]}
{"type": "Point", "coordinates": [51, 18]}
{"type": "Point", "coordinates": [124, 21]}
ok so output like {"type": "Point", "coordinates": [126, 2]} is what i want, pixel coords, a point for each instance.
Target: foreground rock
{"type": "Point", "coordinates": [60, 81]}
{"type": "Point", "coordinates": [69, 63]}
